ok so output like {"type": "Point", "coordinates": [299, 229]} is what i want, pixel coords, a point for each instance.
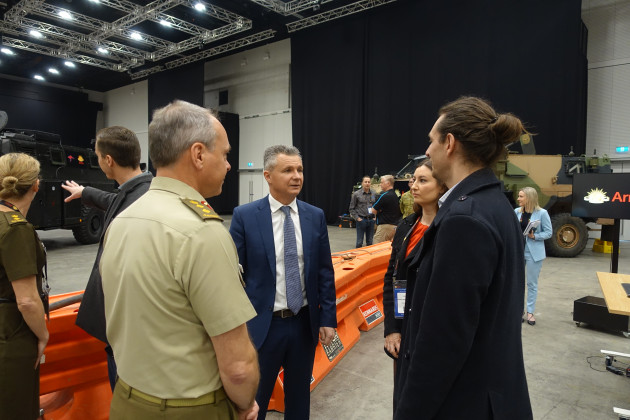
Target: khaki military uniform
{"type": "Point", "coordinates": [21, 255]}
{"type": "Point", "coordinates": [171, 281]}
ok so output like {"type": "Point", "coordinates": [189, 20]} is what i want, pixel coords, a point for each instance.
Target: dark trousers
{"type": "Point", "coordinates": [365, 227]}
{"type": "Point", "coordinates": [112, 372]}
{"type": "Point", "coordinates": [289, 344]}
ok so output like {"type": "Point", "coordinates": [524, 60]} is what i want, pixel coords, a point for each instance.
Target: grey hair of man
{"type": "Point", "coordinates": [388, 178]}
{"type": "Point", "coordinates": [176, 127]}
{"type": "Point", "coordinates": [271, 155]}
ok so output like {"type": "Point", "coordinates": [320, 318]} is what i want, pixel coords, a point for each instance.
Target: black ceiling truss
{"type": "Point", "coordinates": [102, 44]}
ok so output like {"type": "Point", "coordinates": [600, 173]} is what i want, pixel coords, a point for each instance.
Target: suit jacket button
{"type": "Point", "coordinates": [407, 355]}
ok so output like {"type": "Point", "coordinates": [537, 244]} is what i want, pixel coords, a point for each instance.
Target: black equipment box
{"type": "Point", "coordinates": [593, 311]}
{"type": "Point", "coordinates": [346, 221]}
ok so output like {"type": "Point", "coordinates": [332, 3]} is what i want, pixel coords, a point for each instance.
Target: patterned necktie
{"type": "Point", "coordinates": [291, 266]}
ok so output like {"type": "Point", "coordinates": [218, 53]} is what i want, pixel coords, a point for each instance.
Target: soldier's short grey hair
{"type": "Point", "coordinates": [271, 155]}
{"type": "Point", "coordinates": [176, 127]}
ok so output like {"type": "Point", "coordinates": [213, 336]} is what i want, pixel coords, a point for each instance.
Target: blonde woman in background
{"type": "Point", "coordinates": [529, 210]}
{"type": "Point", "coordinates": [23, 332]}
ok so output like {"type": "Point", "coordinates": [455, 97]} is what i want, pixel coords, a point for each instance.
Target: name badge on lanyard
{"type": "Point", "coordinates": [400, 294]}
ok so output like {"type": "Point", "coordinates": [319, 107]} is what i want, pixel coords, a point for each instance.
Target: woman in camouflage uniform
{"type": "Point", "coordinates": [23, 332]}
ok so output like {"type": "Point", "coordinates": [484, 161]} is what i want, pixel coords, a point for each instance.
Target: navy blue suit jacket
{"type": "Point", "coordinates": [252, 232]}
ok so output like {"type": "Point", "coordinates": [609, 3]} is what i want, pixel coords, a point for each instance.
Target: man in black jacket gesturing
{"type": "Point", "coordinates": [118, 152]}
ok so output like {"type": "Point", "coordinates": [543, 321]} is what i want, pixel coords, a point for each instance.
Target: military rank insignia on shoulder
{"type": "Point", "coordinates": [202, 209]}
{"type": "Point", "coordinates": [15, 219]}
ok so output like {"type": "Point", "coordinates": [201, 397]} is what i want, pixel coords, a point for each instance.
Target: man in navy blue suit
{"type": "Point", "coordinates": [283, 246]}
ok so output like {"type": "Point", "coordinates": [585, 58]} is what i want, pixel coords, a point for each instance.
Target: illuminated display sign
{"type": "Point", "coordinates": [601, 195]}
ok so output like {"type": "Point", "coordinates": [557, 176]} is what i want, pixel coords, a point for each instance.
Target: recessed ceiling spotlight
{"type": "Point", "coordinates": [136, 36]}
{"type": "Point", "coordinates": [165, 23]}
{"type": "Point", "coordinates": [95, 1]}
{"type": "Point", "coordinates": [102, 50]}
{"type": "Point", "coordinates": [6, 51]}
{"type": "Point", "coordinates": [69, 64]}
{"type": "Point", "coordinates": [64, 14]}
{"type": "Point", "coordinates": [38, 77]}
{"type": "Point", "coordinates": [35, 33]}
{"type": "Point", "coordinates": [53, 70]}
{"type": "Point", "coordinates": [200, 7]}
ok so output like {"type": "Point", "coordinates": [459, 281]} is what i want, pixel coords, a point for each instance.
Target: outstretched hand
{"type": "Point", "coordinates": [75, 190]}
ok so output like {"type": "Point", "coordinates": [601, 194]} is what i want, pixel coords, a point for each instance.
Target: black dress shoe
{"type": "Point", "coordinates": [529, 320]}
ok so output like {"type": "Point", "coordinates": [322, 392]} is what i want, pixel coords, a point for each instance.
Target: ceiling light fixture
{"type": "Point", "coordinates": [64, 14]}
{"type": "Point", "coordinates": [95, 1]}
{"type": "Point", "coordinates": [35, 33]}
{"type": "Point", "coordinates": [6, 51]}
{"type": "Point", "coordinates": [165, 23]}
{"type": "Point", "coordinates": [136, 36]}
{"type": "Point", "coordinates": [102, 50]}
{"type": "Point", "coordinates": [69, 64]}
{"type": "Point", "coordinates": [200, 7]}
{"type": "Point", "coordinates": [53, 70]}
{"type": "Point", "coordinates": [38, 77]}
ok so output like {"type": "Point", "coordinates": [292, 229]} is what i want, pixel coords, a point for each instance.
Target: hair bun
{"type": "Point", "coordinates": [9, 182]}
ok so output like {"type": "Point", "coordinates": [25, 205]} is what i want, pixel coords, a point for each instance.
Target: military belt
{"type": "Point", "coordinates": [209, 398]}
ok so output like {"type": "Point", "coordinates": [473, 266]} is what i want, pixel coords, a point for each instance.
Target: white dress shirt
{"type": "Point", "coordinates": [277, 224]}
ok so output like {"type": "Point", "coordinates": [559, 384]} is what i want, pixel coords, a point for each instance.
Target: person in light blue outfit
{"type": "Point", "coordinates": [529, 210]}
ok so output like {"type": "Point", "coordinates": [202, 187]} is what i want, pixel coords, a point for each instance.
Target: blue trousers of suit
{"type": "Point", "coordinates": [289, 344]}
{"type": "Point", "coordinates": [112, 371]}
{"type": "Point", "coordinates": [365, 227]}
{"type": "Point", "coordinates": [532, 271]}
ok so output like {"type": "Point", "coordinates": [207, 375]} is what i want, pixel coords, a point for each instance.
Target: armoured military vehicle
{"type": "Point", "coordinates": [551, 176]}
{"type": "Point", "coordinates": [59, 163]}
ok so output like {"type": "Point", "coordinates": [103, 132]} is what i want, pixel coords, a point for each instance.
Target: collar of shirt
{"type": "Point", "coordinates": [121, 186]}
{"type": "Point", "coordinates": [176, 187]}
{"type": "Point", "coordinates": [275, 205]}
{"type": "Point", "coordinates": [442, 199]}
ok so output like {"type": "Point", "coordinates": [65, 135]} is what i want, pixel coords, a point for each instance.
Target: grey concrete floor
{"type": "Point", "coordinates": [562, 385]}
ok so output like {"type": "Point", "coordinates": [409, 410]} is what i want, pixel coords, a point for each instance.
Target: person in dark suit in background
{"type": "Point", "coordinates": [461, 353]}
{"type": "Point", "coordinates": [118, 152]}
{"type": "Point", "coordinates": [283, 246]}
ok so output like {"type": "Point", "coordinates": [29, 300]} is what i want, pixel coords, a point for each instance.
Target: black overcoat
{"type": "Point", "coordinates": [461, 353]}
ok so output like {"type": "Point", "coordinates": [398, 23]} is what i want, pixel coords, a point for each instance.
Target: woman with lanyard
{"type": "Point", "coordinates": [426, 190]}
{"type": "Point", "coordinates": [23, 332]}
{"type": "Point", "coordinates": [536, 226]}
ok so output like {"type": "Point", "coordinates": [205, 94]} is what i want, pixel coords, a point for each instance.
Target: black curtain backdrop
{"type": "Point", "coordinates": [185, 83]}
{"type": "Point", "coordinates": [366, 90]}
{"type": "Point", "coordinates": [65, 112]}
{"type": "Point", "coordinates": [228, 199]}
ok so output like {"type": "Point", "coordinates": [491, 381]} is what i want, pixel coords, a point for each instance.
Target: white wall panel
{"type": "Point", "coordinates": [258, 86]}
{"type": "Point", "coordinates": [598, 120]}
{"type": "Point", "coordinates": [128, 106]}
{"type": "Point", "coordinates": [601, 29]}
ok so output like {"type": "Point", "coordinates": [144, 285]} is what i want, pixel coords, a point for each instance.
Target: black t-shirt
{"type": "Point", "coordinates": [388, 206]}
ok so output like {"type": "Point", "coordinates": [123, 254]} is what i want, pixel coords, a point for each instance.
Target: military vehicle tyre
{"type": "Point", "coordinates": [91, 227]}
{"type": "Point", "coordinates": [569, 236]}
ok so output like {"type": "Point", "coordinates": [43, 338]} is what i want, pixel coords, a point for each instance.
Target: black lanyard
{"type": "Point", "coordinates": [10, 205]}
{"type": "Point", "coordinates": [404, 245]}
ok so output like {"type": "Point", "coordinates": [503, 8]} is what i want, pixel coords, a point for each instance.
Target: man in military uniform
{"type": "Point", "coordinates": [174, 303]}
